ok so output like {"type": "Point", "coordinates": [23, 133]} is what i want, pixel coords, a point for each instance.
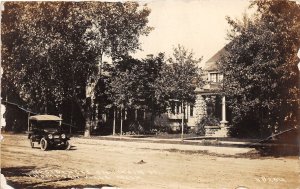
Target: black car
{"type": "Point", "coordinates": [46, 130]}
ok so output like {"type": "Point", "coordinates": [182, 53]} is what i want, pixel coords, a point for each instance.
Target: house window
{"type": "Point", "coordinates": [173, 107]}
{"type": "Point", "coordinates": [191, 111]}
{"type": "Point", "coordinates": [216, 77]}
{"type": "Point", "coordinates": [177, 109]}
{"type": "Point", "coordinates": [220, 77]}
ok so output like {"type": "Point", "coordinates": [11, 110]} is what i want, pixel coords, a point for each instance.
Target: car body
{"type": "Point", "coordinates": [46, 130]}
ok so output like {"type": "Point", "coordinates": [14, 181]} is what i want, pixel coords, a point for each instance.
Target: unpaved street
{"type": "Point", "coordinates": [96, 163]}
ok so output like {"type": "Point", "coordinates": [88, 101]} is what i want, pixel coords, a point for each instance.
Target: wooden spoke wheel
{"type": "Point", "coordinates": [44, 144]}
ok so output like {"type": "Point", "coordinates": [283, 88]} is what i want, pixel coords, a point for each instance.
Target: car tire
{"type": "Point", "coordinates": [67, 145]}
{"type": "Point", "coordinates": [31, 142]}
{"type": "Point", "coordinates": [44, 144]}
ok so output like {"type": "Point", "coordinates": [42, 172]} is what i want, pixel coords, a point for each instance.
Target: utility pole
{"type": "Point", "coordinates": [28, 123]}
{"type": "Point", "coordinates": [182, 120]}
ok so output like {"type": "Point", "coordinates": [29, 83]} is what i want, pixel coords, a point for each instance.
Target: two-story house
{"type": "Point", "coordinates": [209, 102]}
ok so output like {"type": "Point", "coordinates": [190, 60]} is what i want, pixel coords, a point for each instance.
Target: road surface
{"type": "Point", "coordinates": [100, 163]}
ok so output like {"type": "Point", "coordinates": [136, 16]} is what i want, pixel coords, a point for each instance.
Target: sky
{"type": "Point", "coordinates": [198, 25]}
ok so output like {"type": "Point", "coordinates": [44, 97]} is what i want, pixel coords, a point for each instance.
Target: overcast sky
{"type": "Point", "coordinates": [199, 25]}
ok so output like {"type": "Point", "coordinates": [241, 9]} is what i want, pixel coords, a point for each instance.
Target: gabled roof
{"type": "Point", "coordinates": [45, 118]}
{"type": "Point", "coordinates": [211, 64]}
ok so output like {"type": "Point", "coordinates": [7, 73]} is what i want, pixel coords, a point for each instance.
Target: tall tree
{"type": "Point", "coordinates": [121, 83]}
{"type": "Point", "coordinates": [45, 44]}
{"type": "Point", "coordinates": [148, 72]}
{"type": "Point", "coordinates": [260, 67]}
{"type": "Point", "coordinates": [181, 77]}
{"type": "Point", "coordinates": [40, 53]}
{"type": "Point", "coordinates": [114, 30]}
{"type": "Point", "coordinates": [133, 85]}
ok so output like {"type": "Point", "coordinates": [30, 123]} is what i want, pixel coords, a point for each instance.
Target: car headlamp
{"type": "Point", "coordinates": [50, 136]}
{"type": "Point", "coordinates": [63, 136]}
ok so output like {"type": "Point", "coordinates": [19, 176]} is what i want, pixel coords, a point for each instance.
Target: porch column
{"type": "Point", "coordinates": [187, 111]}
{"type": "Point", "coordinates": [135, 114]}
{"type": "Point", "coordinates": [224, 121]}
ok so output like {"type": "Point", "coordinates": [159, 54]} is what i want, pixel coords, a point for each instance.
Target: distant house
{"type": "Point", "coordinates": [209, 102]}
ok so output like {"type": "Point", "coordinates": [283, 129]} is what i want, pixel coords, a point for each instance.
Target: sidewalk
{"type": "Point", "coordinates": [200, 141]}
{"type": "Point", "coordinates": [171, 145]}
{"type": "Point", "coordinates": [207, 145]}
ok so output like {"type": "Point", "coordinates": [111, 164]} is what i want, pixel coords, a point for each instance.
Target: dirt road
{"type": "Point", "coordinates": [96, 163]}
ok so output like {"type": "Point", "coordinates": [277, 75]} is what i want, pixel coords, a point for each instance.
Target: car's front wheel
{"type": "Point", "coordinates": [44, 144]}
{"type": "Point", "coordinates": [31, 142]}
{"type": "Point", "coordinates": [67, 145]}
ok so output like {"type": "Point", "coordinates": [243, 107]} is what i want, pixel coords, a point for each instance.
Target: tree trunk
{"type": "Point", "coordinates": [87, 131]}
{"type": "Point", "coordinates": [72, 111]}
{"type": "Point", "coordinates": [121, 130]}
{"type": "Point", "coordinates": [91, 90]}
{"type": "Point", "coordinates": [151, 121]}
{"type": "Point", "coordinates": [114, 122]}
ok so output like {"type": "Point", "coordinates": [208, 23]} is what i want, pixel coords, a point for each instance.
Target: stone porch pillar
{"type": "Point", "coordinates": [224, 121]}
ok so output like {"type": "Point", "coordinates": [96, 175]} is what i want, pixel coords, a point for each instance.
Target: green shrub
{"type": "Point", "coordinates": [136, 127]}
{"type": "Point", "coordinates": [208, 120]}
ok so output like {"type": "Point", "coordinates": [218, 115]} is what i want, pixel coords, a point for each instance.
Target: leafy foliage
{"type": "Point", "coordinates": [48, 48]}
{"type": "Point", "coordinates": [114, 28]}
{"type": "Point", "coordinates": [133, 82]}
{"type": "Point", "coordinates": [260, 67]}
{"type": "Point", "coordinates": [181, 76]}
{"type": "Point", "coordinates": [208, 120]}
{"type": "Point", "coordinates": [151, 83]}
{"type": "Point", "coordinates": [39, 49]}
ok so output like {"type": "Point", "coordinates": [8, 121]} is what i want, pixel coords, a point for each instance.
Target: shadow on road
{"type": "Point", "coordinates": [18, 177]}
{"type": "Point", "coordinates": [83, 186]}
{"type": "Point", "coordinates": [17, 171]}
{"type": "Point", "coordinates": [278, 150]}
{"type": "Point", "coordinates": [57, 148]}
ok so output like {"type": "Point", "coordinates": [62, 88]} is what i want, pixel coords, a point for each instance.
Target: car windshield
{"type": "Point", "coordinates": [48, 124]}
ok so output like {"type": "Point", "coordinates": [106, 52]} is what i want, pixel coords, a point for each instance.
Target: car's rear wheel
{"type": "Point", "coordinates": [31, 142]}
{"type": "Point", "coordinates": [44, 144]}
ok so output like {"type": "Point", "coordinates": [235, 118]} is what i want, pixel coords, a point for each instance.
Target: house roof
{"type": "Point", "coordinates": [211, 64]}
{"type": "Point", "coordinates": [209, 87]}
{"type": "Point", "coordinates": [45, 118]}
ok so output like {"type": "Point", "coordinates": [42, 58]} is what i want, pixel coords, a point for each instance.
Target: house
{"type": "Point", "coordinates": [209, 102]}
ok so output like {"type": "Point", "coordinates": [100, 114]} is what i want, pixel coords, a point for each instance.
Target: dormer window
{"type": "Point", "coordinates": [215, 77]}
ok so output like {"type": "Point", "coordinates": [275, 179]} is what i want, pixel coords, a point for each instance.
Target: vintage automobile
{"type": "Point", "coordinates": [47, 131]}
